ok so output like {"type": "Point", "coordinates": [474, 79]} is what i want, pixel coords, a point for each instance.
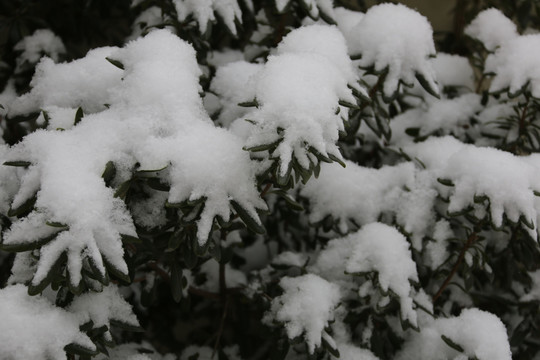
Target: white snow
{"type": "Point", "coordinates": [155, 118]}
{"type": "Point", "coordinates": [33, 47]}
{"type": "Point", "coordinates": [298, 91]}
{"type": "Point", "coordinates": [25, 329]}
{"type": "Point", "coordinates": [507, 180]}
{"type": "Point", "coordinates": [381, 248]}
{"type": "Point", "coordinates": [492, 28]}
{"type": "Point", "coordinates": [453, 70]}
{"type": "Point", "coordinates": [479, 333]}
{"type": "Point", "coordinates": [514, 65]}
{"type": "Point", "coordinates": [102, 307]}
{"type": "Point", "coordinates": [306, 307]}
{"type": "Point", "coordinates": [203, 12]}
{"type": "Point", "coordinates": [84, 82]}
{"type": "Point", "coordinates": [356, 192]}
{"type": "Point", "coordinates": [397, 38]}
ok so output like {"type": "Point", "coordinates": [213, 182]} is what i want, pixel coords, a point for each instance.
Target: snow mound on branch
{"type": "Point", "coordinates": [381, 248]}
{"type": "Point", "coordinates": [155, 119]}
{"type": "Point", "coordinates": [102, 307]}
{"type": "Point", "coordinates": [453, 70]}
{"type": "Point", "coordinates": [356, 192]}
{"type": "Point", "coordinates": [32, 47]}
{"type": "Point", "coordinates": [492, 28]}
{"type": "Point", "coordinates": [515, 66]}
{"type": "Point", "coordinates": [506, 180]}
{"type": "Point", "coordinates": [306, 307]}
{"type": "Point", "coordinates": [396, 38]}
{"type": "Point", "coordinates": [81, 83]}
{"type": "Point", "coordinates": [203, 12]}
{"type": "Point", "coordinates": [25, 329]}
{"type": "Point", "coordinates": [479, 333]}
{"type": "Point", "coordinates": [299, 90]}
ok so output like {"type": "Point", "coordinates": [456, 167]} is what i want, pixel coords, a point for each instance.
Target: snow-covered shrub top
{"type": "Point", "coordinates": [381, 248]}
{"type": "Point", "coordinates": [33, 328]}
{"type": "Point", "coordinates": [453, 70]}
{"type": "Point", "coordinates": [155, 119]}
{"type": "Point", "coordinates": [298, 92]}
{"type": "Point", "coordinates": [480, 334]}
{"type": "Point", "coordinates": [203, 12]}
{"type": "Point", "coordinates": [306, 307]}
{"type": "Point", "coordinates": [515, 67]}
{"type": "Point", "coordinates": [381, 41]}
{"type": "Point", "coordinates": [504, 183]}
{"type": "Point", "coordinates": [492, 29]}
{"type": "Point", "coordinates": [32, 47]}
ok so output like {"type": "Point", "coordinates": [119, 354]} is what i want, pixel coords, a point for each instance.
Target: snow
{"type": "Point", "coordinates": [445, 115]}
{"type": "Point", "coordinates": [203, 12]}
{"type": "Point", "coordinates": [336, 192]}
{"type": "Point", "coordinates": [298, 91]}
{"type": "Point", "coordinates": [351, 352]}
{"type": "Point", "coordinates": [306, 307]}
{"type": "Point", "coordinates": [397, 38]}
{"type": "Point", "coordinates": [492, 28]}
{"type": "Point", "coordinates": [25, 329]}
{"type": "Point", "coordinates": [234, 84]}
{"type": "Point", "coordinates": [479, 333]}
{"type": "Point", "coordinates": [453, 70]}
{"type": "Point", "coordinates": [346, 21]}
{"type": "Point", "coordinates": [155, 118]}
{"type": "Point", "coordinates": [102, 307]}
{"type": "Point", "coordinates": [33, 47]}
{"type": "Point", "coordinates": [80, 83]}
{"type": "Point", "coordinates": [381, 248]}
{"type": "Point", "coordinates": [507, 180]}
{"type": "Point", "coordinates": [515, 67]}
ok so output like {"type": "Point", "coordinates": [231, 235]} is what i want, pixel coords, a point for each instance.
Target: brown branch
{"type": "Point", "coordinates": [164, 274]}
{"type": "Point", "coordinates": [472, 238]}
{"type": "Point", "coordinates": [266, 189]}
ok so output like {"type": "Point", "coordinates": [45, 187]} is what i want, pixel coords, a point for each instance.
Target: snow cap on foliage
{"type": "Point", "coordinates": [81, 83]}
{"type": "Point", "coordinates": [480, 334]}
{"type": "Point", "coordinates": [492, 28]}
{"type": "Point", "coordinates": [234, 84]}
{"type": "Point", "coordinates": [515, 67]}
{"type": "Point", "coordinates": [102, 307]}
{"type": "Point", "coordinates": [155, 118]}
{"type": "Point", "coordinates": [453, 70]}
{"type": "Point", "coordinates": [356, 192]}
{"type": "Point", "coordinates": [34, 46]}
{"type": "Point", "coordinates": [306, 307]}
{"type": "Point", "coordinates": [27, 321]}
{"type": "Point", "coordinates": [203, 12]}
{"type": "Point", "coordinates": [396, 38]}
{"type": "Point", "coordinates": [508, 181]}
{"type": "Point", "coordinates": [299, 90]}
{"type": "Point", "coordinates": [381, 248]}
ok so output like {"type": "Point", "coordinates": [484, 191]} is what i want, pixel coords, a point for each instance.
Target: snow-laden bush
{"type": "Point", "coordinates": [272, 180]}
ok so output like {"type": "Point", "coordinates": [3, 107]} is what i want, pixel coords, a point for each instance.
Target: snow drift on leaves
{"type": "Point", "coordinates": [382, 249]}
{"type": "Point", "coordinates": [492, 29]}
{"type": "Point", "coordinates": [398, 39]}
{"type": "Point", "coordinates": [479, 333]}
{"type": "Point", "coordinates": [306, 307]}
{"type": "Point", "coordinates": [515, 67]}
{"type": "Point", "coordinates": [155, 119]}
{"type": "Point", "coordinates": [25, 329]}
